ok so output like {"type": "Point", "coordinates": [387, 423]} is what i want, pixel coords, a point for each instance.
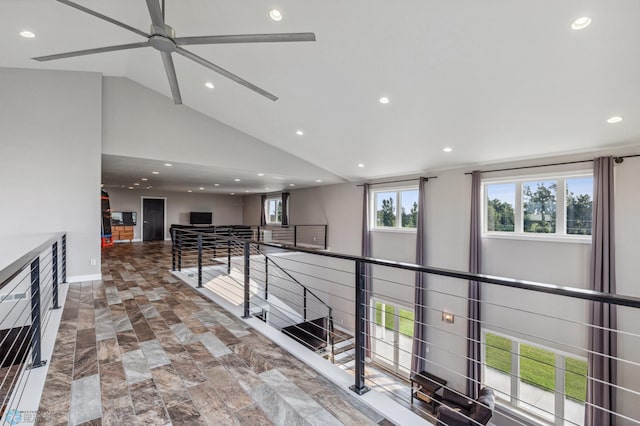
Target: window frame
{"type": "Point", "coordinates": [514, 403]}
{"type": "Point", "coordinates": [390, 365]}
{"type": "Point", "coordinates": [561, 208]}
{"type": "Point", "coordinates": [398, 210]}
{"type": "Point", "coordinates": [266, 207]}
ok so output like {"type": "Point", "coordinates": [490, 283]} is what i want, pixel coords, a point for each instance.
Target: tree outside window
{"type": "Point", "coordinates": [396, 209]}
{"type": "Point", "coordinates": [539, 206]}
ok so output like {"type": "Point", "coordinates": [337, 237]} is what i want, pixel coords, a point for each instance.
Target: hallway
{"type": "Point", "coordinates": [140, 347]}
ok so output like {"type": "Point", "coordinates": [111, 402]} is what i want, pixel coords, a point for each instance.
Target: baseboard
{"type": "Point", "coordinates": [135, 240]}
{"type": "Point", "coordinates": [83, 278]}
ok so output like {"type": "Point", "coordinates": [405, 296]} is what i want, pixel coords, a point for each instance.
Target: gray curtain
{"type": "Point", "coordinates": [474, 347]}
{"type": "Point", "coordinates": [263, 213]}
{"type": "Point", "coordinates": [602, 341]}
{"type": "Point", "coordinates": [285, 208]}
{"type": "Point", "coordinates": [366, 252]}
{"type": "Point", "coordinates": [420, 321]}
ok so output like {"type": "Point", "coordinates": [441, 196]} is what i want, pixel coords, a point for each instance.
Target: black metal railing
{"type": "Point", "coordinates": [29, 288]}
{"type": "Point", "coordinates": [308, 236]}
{"type": "Point", "coordinates": [534, 323]}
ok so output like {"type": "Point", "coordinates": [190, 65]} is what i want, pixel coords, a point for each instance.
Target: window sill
{"type": "Point", "coordinates": [527, 418]}
{"type": "Point", "coordinates": [539, 238]}
{"type": "Point", "coordinates": [395, 230]}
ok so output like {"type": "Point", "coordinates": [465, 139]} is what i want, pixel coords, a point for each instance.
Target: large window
{"type": "Point", "coordinates": [529, 377]}
{"type": "Point", "coordinates": [559, 206]}
{"type": "Point", "coordinates": [392, 336]}
{"type": "Point", "coordinates": [274, 210]}
{"type": "Point", "coordinates": [395, 209]}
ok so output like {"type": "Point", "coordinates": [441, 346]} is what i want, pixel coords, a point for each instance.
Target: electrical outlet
{"type": "Point", "coordinates": [93, 262]}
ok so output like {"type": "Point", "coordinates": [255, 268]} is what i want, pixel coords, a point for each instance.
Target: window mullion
{"type": "Point", "coordinates": [518, 209]}
{"type": "Point", "coordinates": [560, 390]}
{"type": "Point", "coordinates": [561, 207]}
{"type": "Point", "coordinates": [515, 373]}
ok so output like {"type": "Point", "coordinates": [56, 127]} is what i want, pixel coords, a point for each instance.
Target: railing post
{"type": "Point", "coordinates": [229, 251]}
{"type": "Point", "coordinates": [295, 235]}
{"type": "Point", "coordinates": [331, 336]}
{"type": "Point", "coordinates": [36, 334]}
{"type": "Point", "coordinates": [179, 251]}
{"type": "Point", "coordinates": [304, 303]}
{"type": "Point", "coordinates": [359, 387]}
{"type": "Point", "coordinates": [54, 274]}
{"type": "Point", "coordinates": [64, 258]}
{"type": "Point", "coordinates": [247, 294]}
{"type": "Point", "coordinates": [325, 236]}
{"type": "Point", "coordinates": [199, 260]}
{"type": "Point", "coordinates": [266, 278]}
{"type": "Point", "coordinates": [173, 249]}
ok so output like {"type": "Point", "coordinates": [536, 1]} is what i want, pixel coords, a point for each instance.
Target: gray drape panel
{"type": "Point", "coordinates": [285, 208]}
{"type": "Point", "coordinates": [602, 341]}
{"type": "Point", "coordinates": [420, 321]}
{"type": "Point", "coordinates": [366, 252]}
{"type": "Point", "coordinates": [474, 348]}
{"type": "Point", "coordinates": [263, 213]}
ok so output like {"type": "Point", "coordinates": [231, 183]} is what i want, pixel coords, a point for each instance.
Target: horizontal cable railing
{"type": "Point", "coordinates": [29, 289]}
{"type": "Point", "coordinates": [533, 352]}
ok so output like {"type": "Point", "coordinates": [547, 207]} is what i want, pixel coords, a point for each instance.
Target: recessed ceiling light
{"type": "Point", "coordinates": [318, 180]}
{"type": "Point", "coordinates": [27, 34]}
{"type": "Point", "coordinates": [246, 190]}
{"type": "Point", "coordinates": [149, 187]}
{"type": "Point", "coordinates": [581, 23]}
{"type": "Point", "coordinates": [233, 193]}
{"type": "Point", "coordinates": [209, 85]}
{"type": "Point", "coordinates": [189, 191]}
{"type": "Point", "coordinates": [201, 189]}
{"type": "Point", "coordinates": [614, 119]}
{"type": "Point", "coordinates": [216, 184]}
{"type": "Point", "coordinates": [275, 15]}
{"type": "Point", "coordinates": [260, 174]}
{"type": "Point", "coordinates": [292, 184]}
{"type": "Point", "coordinates": [156, 173]}
{"type": "Point", "coordinates": [384, 100]}
{"type": "Point", "coordinates": [136, 184]}
{"type": "Point", "coordinates": [267, 189]}
{"type": "Point", "coordinates": [131, 187]}
{"type": "Point", "coordinates": [360, 165]}
{"type": "Point", "coordinates": [299, 132]}
{"type": "Point", "coordinates": [168, 164]}
{"type": "Point", "coordinates": [447, 149]}
{"type": "Point", "coordinates": [237, 180]}
{"type": "Point", "coordinates": [144, 179]}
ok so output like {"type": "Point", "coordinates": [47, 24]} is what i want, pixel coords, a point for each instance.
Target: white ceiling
{"type": "Point", "coordinates": [494, 80]}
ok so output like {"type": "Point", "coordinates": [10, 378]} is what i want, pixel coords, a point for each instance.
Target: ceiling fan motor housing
{"type": "Point", "coordinates": [162, 38]}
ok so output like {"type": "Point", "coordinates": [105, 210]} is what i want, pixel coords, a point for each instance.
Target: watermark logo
{"type": "Point", "coordinates": [14, 417]}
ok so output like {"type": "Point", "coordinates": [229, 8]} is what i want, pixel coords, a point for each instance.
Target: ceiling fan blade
{"type": "Point", "coordinates": [104, 17]}
{"type": "Point", "coordinates": [171, 76]}
{"type": "Point", "coordinates": [224, 72]}
{"type": "Point", "coordinates": [92, 51]}
{"type": "Point", "coordinates": [246, 38]}
{"type": "Point", "coordinates": [157, 17]}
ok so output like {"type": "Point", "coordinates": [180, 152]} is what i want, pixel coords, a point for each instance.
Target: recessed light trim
{"type": "Point", "coordinates": [168, 164]}
{"type": "Point", "coordinates": [131, 187]}
{"type": "Point", "coordinates": [384, 100]}
{"type": "Point", "coordinates": [360, 165]}
{"type": "Point", "coordinates": [292, 184]}
{"type": "Point", "coordinates": [136, 184]}
{"type": "Point", "coordinates": [615, 119]}
{"type": "Point", "coordinates": [581, 23]}
{"type": "Point", "coordinates": [144, 179]}
{"type": "Point", "coordinates": [275, 15]}
{"type": "Point", "coordinates": [236, 180]}
{"type": "Point", "coordinates": [201, 188]}
{"type": "Point", "coordinates": [246, 190]}
{"type": "Point", "coordinates": [299, 133]}
{"type": "Point", "coordinates": [27, 34]}
{"type": "Point", "coordinates": [260, 174]}
{"type": "Point", "coordinates": [155, 173]}
{"type": "Point", "coordinates": [216, 184]}
{"type": "Point", "coordinates": [233, 193]}
{"type": "Point", "coordinates": [189, 191]}
{"type": "Point", "coordinates": [209, 85]}
{"type": "Point", "coordinates": [318, 180]}
{"type": "Point", "coordinates": [447, 149]}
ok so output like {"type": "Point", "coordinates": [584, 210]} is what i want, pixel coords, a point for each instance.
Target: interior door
{"type": "Point", "coordinates": [153, 219]}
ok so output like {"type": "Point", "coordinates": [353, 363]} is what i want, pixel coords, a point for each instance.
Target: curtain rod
{"type": "Point", "coordinates": [401, 180]}
{"type": "Point", "coordinates": [617, 160]}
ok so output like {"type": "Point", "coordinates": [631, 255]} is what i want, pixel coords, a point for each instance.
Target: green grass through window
{"type": "Point", "coordinates": [405, 318]}
{"type": "Point", "coordinates": [537, 366]}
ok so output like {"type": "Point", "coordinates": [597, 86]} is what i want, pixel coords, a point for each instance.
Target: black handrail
{"type": "Point", "coordinates": [15, 268]}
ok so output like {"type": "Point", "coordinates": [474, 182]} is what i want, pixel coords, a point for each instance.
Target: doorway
{"type": "Point", "coordinates": [153, 219]}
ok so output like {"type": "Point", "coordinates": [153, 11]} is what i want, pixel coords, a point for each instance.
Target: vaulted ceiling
{"type": "Point", "coordinates": [492, 80]}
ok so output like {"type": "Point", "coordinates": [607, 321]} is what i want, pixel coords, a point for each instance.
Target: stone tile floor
{"type": "Point", "coordinates": [140, 347]}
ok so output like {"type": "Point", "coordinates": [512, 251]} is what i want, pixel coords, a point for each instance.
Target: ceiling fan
{"type": "Point", "coordinates": [162, 38]}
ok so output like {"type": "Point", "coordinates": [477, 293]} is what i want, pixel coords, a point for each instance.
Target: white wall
{"type": "Point", "coordinates": [50, 133]}
{"type": "Point", "coordinates": [226, 209]}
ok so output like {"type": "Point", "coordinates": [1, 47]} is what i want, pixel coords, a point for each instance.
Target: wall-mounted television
{"type": "Point", "coordinates": [201, 218]}
{"type": "Point", "coordinates": [123, 218]}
